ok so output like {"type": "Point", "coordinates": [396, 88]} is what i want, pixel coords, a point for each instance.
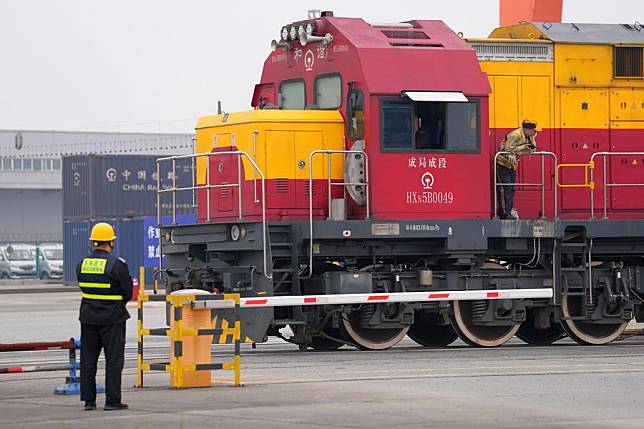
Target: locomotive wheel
{"type": "Point", "coordinates": [478, 335]}
{"type": "Point", "coordinates": [539, 337]}
{"type": "Point", "coordinates": [588, 333]}
{"type": "Point", "coordinates": [371, 339]}
{"type": "Point", "coordinates": [428, 332]}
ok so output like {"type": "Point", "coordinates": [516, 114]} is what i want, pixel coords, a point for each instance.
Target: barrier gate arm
{"type": "Point", "coordinates": [234, 301]}
{"type": "Point", "coordinates": [374, 298]}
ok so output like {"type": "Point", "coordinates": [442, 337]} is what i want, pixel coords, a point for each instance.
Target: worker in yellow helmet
{"type": "Point", "coordinates": [106, 287]}
{"type": "Point", "coordinates": [518, 142]}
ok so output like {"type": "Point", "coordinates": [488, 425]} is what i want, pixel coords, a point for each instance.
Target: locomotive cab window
{"type": "Point", "coordinates": [432, 126]}
{"type": "Point", "coordinates": [292, 95]}
{"type": "Point", "coordinates": [328, 91]}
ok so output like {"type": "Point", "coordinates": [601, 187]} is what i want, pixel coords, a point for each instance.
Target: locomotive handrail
{"type": "Point", "coordinates": [329, 153]}
{"type": "Point", "coordinates": [239, 154]}
{"type": "Point", "coordinates": [606, 183]}
{"type": "Point", "coordinates": [542, 155]}
{"type": "Point", "coordinates": [588, 178]}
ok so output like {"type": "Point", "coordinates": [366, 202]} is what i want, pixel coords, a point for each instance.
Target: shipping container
{"type": "Point", "coordinates": [75, 247]}
{"type": "Point", "coordinates": [118, 186]}
{"type": "Point", "coordinates": [134, 237]}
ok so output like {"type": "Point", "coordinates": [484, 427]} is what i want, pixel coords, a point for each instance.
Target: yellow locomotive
{"type": "Point", "coordinates": [584, 85]}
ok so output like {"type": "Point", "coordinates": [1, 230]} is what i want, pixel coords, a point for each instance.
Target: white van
{"type": "Point", "coordinates": [21, 260]}
{"type": "Point", "coordinates": [50, 265]}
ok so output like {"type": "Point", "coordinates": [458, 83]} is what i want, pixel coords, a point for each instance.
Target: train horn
{"type": "Point", "coordinates": [305, 38]}
{"type": "Point", "coordinates": [275, 44]}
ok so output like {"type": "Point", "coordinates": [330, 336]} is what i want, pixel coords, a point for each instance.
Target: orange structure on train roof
{"type": "Point", "coordinates": [515, 11]}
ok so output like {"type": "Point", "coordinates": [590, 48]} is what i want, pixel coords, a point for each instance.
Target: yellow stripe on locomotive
{"type": "Point", "coordinates": [584, 85]}
{"type": "Point", "coordinates": [277, 140]}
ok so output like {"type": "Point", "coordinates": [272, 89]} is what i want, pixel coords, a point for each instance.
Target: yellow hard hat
{"type": "Point", "coordinates": [102, 232]}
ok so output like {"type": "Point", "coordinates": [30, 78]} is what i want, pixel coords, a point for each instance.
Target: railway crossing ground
{"type": "Point", "coordinates": [518, 386]}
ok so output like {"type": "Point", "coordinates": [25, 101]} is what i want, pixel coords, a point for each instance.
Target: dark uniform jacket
{"type": "Point", "coordinates": [106, 287]}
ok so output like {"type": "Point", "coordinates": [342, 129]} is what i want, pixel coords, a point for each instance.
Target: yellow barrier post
{"type": "Point", "coordinates": [140, 332]}
{"type": "Point", "coordinates": [236, 338]}
{"type": "Point", "coordinates": [177, 367]}
{"type": "Point", "coordinates": [139, 337]}
{"type": "Point", "coordinates": [141, 280]}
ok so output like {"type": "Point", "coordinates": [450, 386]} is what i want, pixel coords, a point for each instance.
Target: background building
{"type": "Point", "coordinates": [31, 201]}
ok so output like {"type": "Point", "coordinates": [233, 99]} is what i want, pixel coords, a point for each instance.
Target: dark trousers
{"type": "Point", "coordinates": [505, 193]}
{"type": "Point", "coordinates": [110, 338]}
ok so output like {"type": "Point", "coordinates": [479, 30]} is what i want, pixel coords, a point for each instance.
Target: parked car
{"type": "Point", "coordinates": [5, 267]}
{"type": "Point", "coordinates": [21, 260]}
{"type": "Point", "coordinates": [50, 265]}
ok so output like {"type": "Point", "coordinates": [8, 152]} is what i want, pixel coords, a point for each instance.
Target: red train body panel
{"type": "Point", "coordinates": [382, 63]}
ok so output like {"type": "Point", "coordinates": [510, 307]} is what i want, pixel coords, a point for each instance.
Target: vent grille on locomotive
{"type": "Point", "coordinates": [513, 52]}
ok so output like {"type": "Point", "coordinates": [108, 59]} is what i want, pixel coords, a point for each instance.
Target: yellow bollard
{"type": "Point", "coordinates": [142, 280]}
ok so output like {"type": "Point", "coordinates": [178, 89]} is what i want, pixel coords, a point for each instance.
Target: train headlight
{"type": "Point", "coordinates": [235, 232]}
{"type": "Point", "coordinates": [284, 34]}
{"type": "Point", "coordinates": [300, 30]}
{"type": "Point", "coordinates": [310, 29]}
{"type": "Point", "coordinates": [293, 33]}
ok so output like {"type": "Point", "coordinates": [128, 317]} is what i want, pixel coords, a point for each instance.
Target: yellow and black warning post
{"type": "Point", "coordinates": [177, 367]}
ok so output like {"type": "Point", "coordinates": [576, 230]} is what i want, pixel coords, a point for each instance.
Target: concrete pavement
{"type": "Point", "coordinates": [514, 386]}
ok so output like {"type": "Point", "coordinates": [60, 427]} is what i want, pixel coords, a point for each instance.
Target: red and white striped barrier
{"type": "Point", "coordinates": [35, 368]}
{"type": "Point", "coordinates": [41, 345]}
{"type": "Point", "coordinates": [379, 298]}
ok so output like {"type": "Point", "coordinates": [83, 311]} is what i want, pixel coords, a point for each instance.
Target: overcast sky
{"type": "Point", "coordinates": [156, 65]}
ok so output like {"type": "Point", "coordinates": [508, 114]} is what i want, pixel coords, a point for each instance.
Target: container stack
{"type": "Point", "coordinates": [121, 190]}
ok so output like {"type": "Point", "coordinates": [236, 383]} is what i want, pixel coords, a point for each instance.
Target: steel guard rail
{"type": "Point", "coordinates": [329, 153]}
{"type": "Point", "coordinates": [174, 189]}
{"type": "Point", "coordinates": [607, 184]}
{"type": "Point", "coordinates": [542, 155]}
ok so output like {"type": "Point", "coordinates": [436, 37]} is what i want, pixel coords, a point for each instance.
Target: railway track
{"type": "Point", "coordinates": [262, 365]}
{"type": "Point", "coordinates": [17, 289]}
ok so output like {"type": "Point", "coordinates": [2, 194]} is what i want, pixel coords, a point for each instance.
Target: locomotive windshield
{"type": "Point", "coordinates": [292, 95]}
{"type": "Point", "coordinates": [429, 126]}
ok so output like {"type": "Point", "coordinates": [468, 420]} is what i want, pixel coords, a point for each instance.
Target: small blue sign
{"type": "Point", "coordinates": [151, 249]}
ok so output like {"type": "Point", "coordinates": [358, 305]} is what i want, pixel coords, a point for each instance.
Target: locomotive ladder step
{"type": "Point", "coordinates": [283, 270]}
{"type": "Point", "coordinates": [281, 244]}
{"type": "Point", "coordinates": [575, 270]}
{"type": "Point", "coordinates": [574, 293]}
{"type": "Point", "coordinates": [573, 244]}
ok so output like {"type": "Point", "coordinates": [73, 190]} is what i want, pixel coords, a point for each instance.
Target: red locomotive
{"type": "Point", "coordinates": [368, 166]}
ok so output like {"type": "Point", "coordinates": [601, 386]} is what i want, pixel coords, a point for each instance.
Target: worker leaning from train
{"type": "Point", "coordinates": [516, 143]}
{"type": "Point", "coordinates": [106, 288]}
